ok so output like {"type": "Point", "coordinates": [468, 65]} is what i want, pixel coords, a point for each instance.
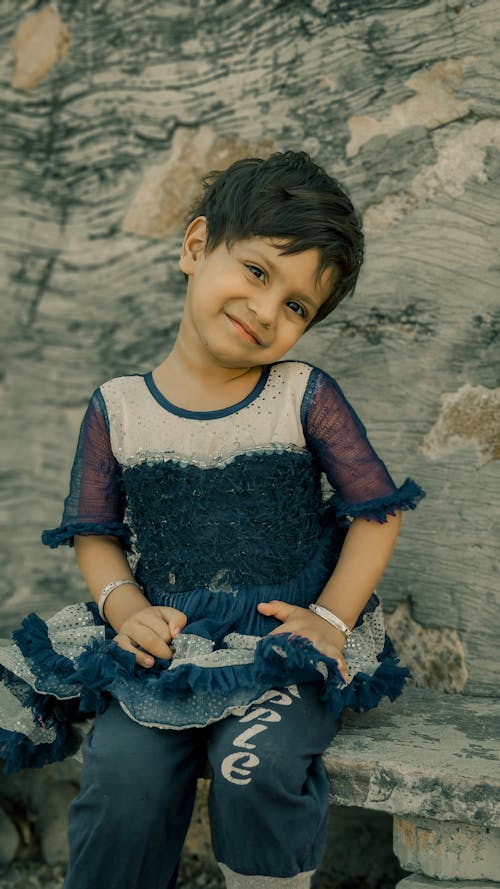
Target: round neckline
{"type": "Point", "coordinates": [206, 415]}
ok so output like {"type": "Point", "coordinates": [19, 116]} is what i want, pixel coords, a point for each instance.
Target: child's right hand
{"type": "Point", "coordinates": [148, 632]}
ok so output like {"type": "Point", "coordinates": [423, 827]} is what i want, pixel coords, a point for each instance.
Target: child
{"type": "Point", "coordinates": [258, 520]}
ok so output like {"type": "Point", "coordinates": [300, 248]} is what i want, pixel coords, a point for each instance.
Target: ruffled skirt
{"type": "Point", "coordinates": [58, 674]}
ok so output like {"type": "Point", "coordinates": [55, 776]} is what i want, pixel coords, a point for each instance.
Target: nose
{"type": "Point", "coordinates": [264, 306]}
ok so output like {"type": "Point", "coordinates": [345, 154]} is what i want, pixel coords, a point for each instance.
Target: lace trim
{"type": "Point", "coordinates": [65, 533]}
{"type": "Point", "coordinates": [406, 497]}
{"type": "Point", "coordinates": [153, 458]}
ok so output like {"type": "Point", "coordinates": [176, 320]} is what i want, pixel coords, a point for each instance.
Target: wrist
{"type": "Point", "coordinates": [131, 592]}
{"type": "Point", "coordinates": [338, 628]}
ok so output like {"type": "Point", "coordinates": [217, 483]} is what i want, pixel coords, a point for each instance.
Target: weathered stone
{"type": "Point", "coordinates": [435, 656]}
{"type": "Point", "coordinates": [447, 851]}
{"type": "Point", "coordinates": [52, 822]}
{"type": "Point", "coordinates": [9, 839]}
{"type": "Point", "coordinates": [469, 416]}
{"type": "Point", "coordinates": [419, 881]}
{"type": "Point", "coordinates": [426, 755]}
{"type": "Point", "coordinates": [40, 43]}
{"type": "Point", "coordinates": [433, 104]}
{"type": "Point", "coordinates": [45, 794]}
{"type": "Point", "coordinates": [461, 155]}
{"type": "Point", "coordinates": [167, 191]}
{"type": "Point", "coordinates": [359, 847]}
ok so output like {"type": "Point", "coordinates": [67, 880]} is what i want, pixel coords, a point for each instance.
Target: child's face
{"type": "Point", "coordinates": [247, 306]}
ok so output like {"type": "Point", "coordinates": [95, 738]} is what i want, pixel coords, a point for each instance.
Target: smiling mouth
{"type": "Point", "coordinates": [244, 331]}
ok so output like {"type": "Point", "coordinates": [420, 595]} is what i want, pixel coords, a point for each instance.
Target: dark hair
{"type": "Point", "coordinates": [291, 198]}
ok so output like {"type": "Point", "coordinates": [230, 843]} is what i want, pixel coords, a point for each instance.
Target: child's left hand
{"type": "Point", "coordinates": [302, 622]}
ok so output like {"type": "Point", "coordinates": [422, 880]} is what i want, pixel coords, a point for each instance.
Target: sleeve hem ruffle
{"type": "Point", "coordinates": [64, 534]}
{"type": "Point", "coordinates": [405, 497]}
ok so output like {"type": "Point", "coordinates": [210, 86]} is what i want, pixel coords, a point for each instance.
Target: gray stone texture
{"type": "Point", "coordinates": [418, 881]}
{"type": "Point", "coordinates": [428, 755]}
{"type": "Point", "coordinates": [447, 851]}
{"type": "Point", "coordinates": [9, 839]}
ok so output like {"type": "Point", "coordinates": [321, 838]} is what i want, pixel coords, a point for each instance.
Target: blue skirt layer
{"type": "Point", "coordinates": [223, 661]}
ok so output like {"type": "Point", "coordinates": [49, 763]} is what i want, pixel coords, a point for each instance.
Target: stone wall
{"type": "Point", "coordinates": [112, 111]}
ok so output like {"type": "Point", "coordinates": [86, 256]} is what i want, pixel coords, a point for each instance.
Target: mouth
{"type": "Point", "coordinates": [244, 330]}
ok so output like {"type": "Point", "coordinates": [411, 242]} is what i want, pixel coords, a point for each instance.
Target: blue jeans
{"type": "Point", "coordinates": [268, 798]}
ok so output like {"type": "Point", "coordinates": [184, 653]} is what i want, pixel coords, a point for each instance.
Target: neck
{"type": "Point", "coordinates": [193, 368]}
{"type": "Point", "coordinates": [192, 361]}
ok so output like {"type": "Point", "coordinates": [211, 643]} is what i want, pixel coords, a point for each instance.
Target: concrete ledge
{"type": "Point", "coordinates": [428, 755]}
{"type": "Point", "coordinates": [447, 850]}
{"type": "Point", "coordinates": [418, 881]}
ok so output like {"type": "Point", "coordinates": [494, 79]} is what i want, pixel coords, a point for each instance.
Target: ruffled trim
{"type": "Point", "coordinates": [32, 638]}
{"type": "Point", "coordinates": [279, 660]}
{"type": "Point", "coordinates": [69, 692]}
{"type": "Point", "coordinates": [363, 692]}
{"type": "Point", "coordinates": [19, 752]}
{"type": "Point", "coordinates": [64, 534]}
{"type": "Point", "coordinates": [405, 497]}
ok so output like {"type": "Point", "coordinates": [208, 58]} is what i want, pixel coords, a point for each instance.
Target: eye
{"type": "Point", "coordinates": [297, 308]}
{"type": "Point", "coordinates": [256, 271]}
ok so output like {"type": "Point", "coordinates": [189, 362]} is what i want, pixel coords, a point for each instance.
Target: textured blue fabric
{"type": "Point", "coordinates": [405, 497]}
{"type": "Point", "coordinates": [336, 436]}
{"type": "Point", "coordinates": [202, 517]}
{"type": "Point", "coordinates": [95, 503]}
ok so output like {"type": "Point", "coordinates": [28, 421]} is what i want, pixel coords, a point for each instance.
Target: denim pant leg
{"type": "Point", "coordinates": [128, 823]}
{"type": "Point", "coordinates": [269, 793]}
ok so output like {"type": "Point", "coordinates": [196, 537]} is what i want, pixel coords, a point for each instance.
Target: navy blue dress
{"type": "Point", "coordinates": [217, 512]}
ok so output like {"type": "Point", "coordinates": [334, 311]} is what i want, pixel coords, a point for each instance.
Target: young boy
{"type": "Point", "coordinates": [249, 621]}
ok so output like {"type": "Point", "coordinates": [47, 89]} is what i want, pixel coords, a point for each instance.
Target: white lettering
{"type": "Point", "coordinates": [229, 768]}
{"type": "Point", "coordinates": [261, 713]}
{"type": "Point", "coordinates": [242, 740]}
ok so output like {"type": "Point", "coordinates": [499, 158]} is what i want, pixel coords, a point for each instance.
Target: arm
{"type": "Point", "coordinates": [365, 492]}
{"type": "Point", "coordinates": [363, 559]}
{"type": "Point", "coordinates": [137, 623]}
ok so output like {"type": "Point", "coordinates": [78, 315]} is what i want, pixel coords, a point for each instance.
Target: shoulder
{"type": "Point", "coordinates": [125, 384]}
{"type": "Point", "coordinates": [293, 370]}
{"type": "Point", "coordinates": [315, 377]}
{"type": "Point", "coordinates": [112, 398]}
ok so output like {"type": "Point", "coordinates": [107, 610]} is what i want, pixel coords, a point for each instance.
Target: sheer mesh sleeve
{"type": "Point", "coordinates": [95, 503]}
{"type": "Point", "coordinates": [337, 438]}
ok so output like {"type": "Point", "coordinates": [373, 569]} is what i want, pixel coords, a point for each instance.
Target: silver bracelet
{"type": "Point", "coordinates": [331, 618]}
{"type": "Point", "coordinates": [109, 589]}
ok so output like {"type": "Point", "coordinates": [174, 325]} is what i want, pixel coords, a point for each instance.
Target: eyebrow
{"type": "Point", "coordinates": [298, 293]}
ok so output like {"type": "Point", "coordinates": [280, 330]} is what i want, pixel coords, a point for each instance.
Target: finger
{"type": "Point", "coordinates": [141, 657]}
{"type": "Point", "coordinates": [146, 638]}
{"type": "Point", "coordinates": [276, 608]}
{"type": "Point", "coordinates": [283, 628]}
{"type": "Point", "coordinates": [343, 669]}
{"type": "Point", "coordinates": [153, 622]}
{"type": "Point", "coordinates": [176, 619]}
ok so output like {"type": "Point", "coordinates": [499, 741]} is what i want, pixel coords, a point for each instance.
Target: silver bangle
{"type": "Point", "coordinates": [109, 589]}
{"type": "Point", "coordinates": [331, 618]}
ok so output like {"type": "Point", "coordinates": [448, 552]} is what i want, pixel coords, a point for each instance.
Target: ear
{"type": "Point", "coordinates": [193, 245]}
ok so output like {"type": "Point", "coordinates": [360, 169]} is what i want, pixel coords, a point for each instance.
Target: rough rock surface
{"type": "Point", "coordinates": [427, 755]}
